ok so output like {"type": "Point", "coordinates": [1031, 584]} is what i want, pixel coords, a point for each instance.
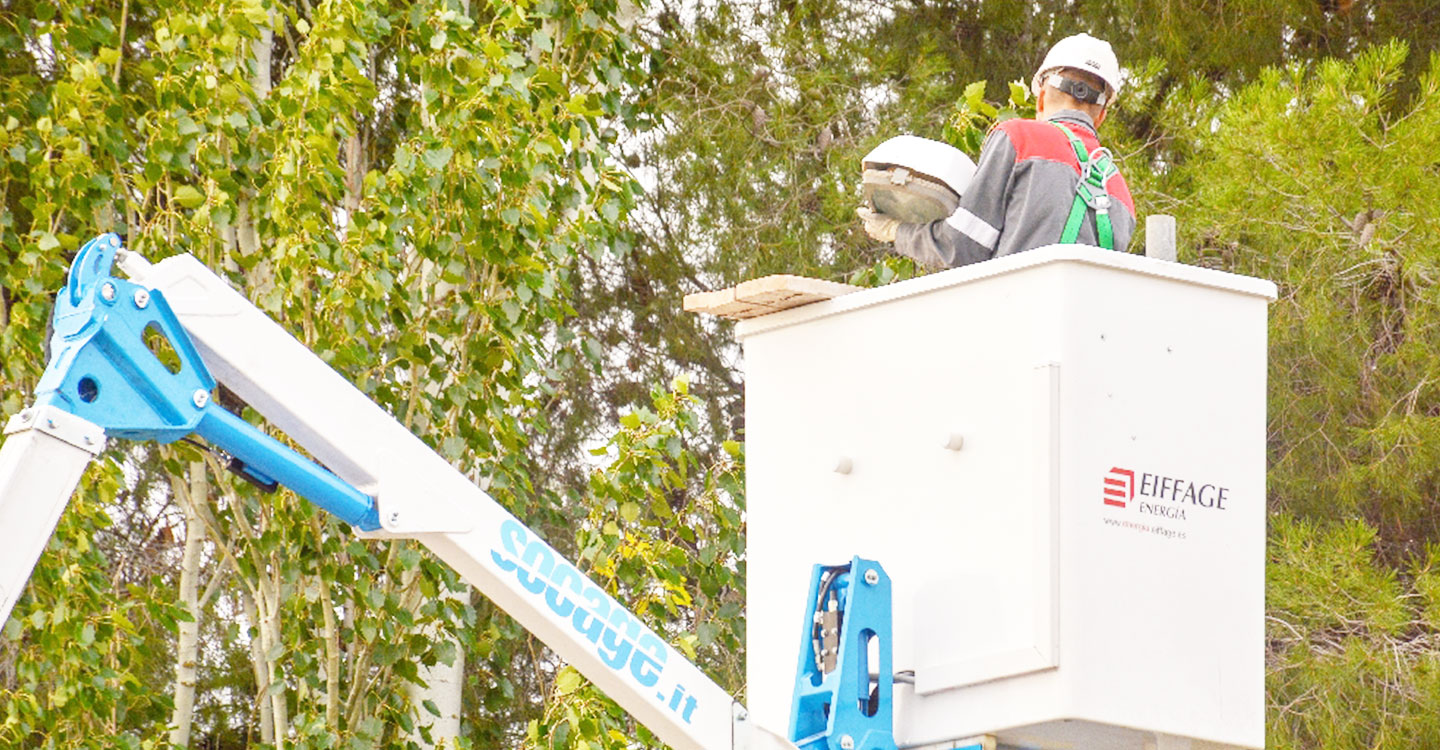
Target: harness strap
{"type": "Point", "coordinates": [1096, 168]}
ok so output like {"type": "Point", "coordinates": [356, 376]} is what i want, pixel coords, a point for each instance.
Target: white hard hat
{"type": "Point", "coordinates": [1082, 52]}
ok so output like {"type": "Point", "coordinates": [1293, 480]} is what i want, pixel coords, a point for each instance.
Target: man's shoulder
{"type": "Point", "coordinates": [1033, 139]}
{"type": "Point", "coordinates": [1022, 125]}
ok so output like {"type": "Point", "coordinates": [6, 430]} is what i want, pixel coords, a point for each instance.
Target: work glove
{"type": "Point", "coordinates": [877, 225]}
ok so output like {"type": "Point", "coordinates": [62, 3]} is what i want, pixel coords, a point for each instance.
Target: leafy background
{"type": "Point", "coordinates": [485, 214]}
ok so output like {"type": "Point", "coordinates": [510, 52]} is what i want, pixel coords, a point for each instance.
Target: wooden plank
{"type": "Point", "coordinates": [764, 295]}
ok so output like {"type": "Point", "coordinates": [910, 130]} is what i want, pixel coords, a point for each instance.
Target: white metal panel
{"type": "Point", "coordinates": [1170, 628]}
{"type": "Point", "coordinates": [1009, 264]}
{"type": "Point", "coordinates": [1007, 645]}
{"type": "Point", "coordinates": [44, 454]}
{"type": "Point", "coordinates": [1158, 634]}
{"type": "Point", "coordinates": [885, 387]}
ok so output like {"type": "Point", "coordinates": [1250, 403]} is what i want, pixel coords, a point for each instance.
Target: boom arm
{"type": "Point", "coordinates": [386, 481]}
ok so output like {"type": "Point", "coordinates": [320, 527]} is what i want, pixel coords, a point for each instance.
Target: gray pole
{"type": "Point", "coordinates": [1160, 237]}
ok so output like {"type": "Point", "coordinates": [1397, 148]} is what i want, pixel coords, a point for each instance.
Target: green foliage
{"type": "Point", "coordinates": [1321, 580]}
{"type": "Point", "coordinates": [1279, 162]}
{"type": "Point", "coordinates": [443, 199]}
{"type": "Point", "coordinates": [663, 534]}
{"type": "Point", "coordinates": [406, 187]}
{"type": "Point", "coordinates": [973, 116]}
{"type": "Point", "coordinates": [77, 657]}
{"type": "Point", "coordinates": [1350, 658]}
{"type": "Point", "coordinates": [1338, 209]}
{"type": "Point", "coordinates": [887, 270]}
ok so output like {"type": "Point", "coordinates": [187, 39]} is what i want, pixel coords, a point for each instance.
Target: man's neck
{"type": "Point", "coordinates": [1068, 115]}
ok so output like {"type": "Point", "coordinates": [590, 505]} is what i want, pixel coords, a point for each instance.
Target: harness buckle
{"type": "Point", "coordinates": [1093, 196]}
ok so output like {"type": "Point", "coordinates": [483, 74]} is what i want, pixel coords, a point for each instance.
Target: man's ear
{"type": "Point", "coordinates": [1100, 117]}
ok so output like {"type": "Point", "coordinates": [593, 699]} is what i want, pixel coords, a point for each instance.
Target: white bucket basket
{"type": "Point", "coordinates": [1059, 458]}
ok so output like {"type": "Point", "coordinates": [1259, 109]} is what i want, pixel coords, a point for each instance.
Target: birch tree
{"type": "Point", "coordinates": [404, 187]}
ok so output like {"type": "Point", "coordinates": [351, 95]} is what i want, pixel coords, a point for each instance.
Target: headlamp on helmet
{"type": "Point", "coordinates": [1079, 90]}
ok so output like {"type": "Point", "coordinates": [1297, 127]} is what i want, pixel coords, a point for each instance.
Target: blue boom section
{"type": "Point", "coordinates": [121, 359]}
{"type": "Point", "coordinates": [266, 457]}
{"type": "Point", "coordinates": [838, 704]}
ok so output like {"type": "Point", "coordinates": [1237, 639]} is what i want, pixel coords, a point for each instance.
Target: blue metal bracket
{"type": "Point", "coordinates": [106, 366]}
{"type": "Point", "coordinates": [838, 703]}
{"type": "Point", "coordinates": [100, 367]}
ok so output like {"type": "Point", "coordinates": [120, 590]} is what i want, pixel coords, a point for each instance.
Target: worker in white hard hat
{"type": "Point", "coordinates": [1039, 181]}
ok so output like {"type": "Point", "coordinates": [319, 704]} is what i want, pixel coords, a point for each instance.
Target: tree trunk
{"type": "Point", "coordinates": [443, 686]}
{"type": "Point", "coordinates": [270, 638]}
{"type": "Point", "coordinates": [355, 168]}
{"type": "Point", "coordinates": [332, 658]}
{"type": "Point", "coordinates": [261, 666]}
{"type": "Point", "coordinates": [245, 235]}
{"type": "Point", "coordinates": [187, 646]}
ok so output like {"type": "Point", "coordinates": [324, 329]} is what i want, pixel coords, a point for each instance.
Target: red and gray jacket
{"type": "Point", "coordinates": [1020, 197]}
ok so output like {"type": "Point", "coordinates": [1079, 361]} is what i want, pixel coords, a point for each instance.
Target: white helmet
{"type": "Point", "coordinates": [1082, 52]}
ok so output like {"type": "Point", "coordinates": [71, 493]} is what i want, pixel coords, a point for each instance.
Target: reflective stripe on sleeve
{"type": "Point", "coordinates": [974, 227]}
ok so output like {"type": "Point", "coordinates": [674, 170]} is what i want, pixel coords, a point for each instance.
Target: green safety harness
{"type": "Point", "coordinates": [1096, 168]}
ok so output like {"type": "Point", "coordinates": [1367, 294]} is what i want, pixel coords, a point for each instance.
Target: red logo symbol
{"type": "Point", "coordinates": [1119, 486]}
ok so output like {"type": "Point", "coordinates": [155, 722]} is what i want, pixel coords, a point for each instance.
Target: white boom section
{"type": "Point", "coordinates": [421, 496]}
{"type": "Point", "coordinates": [42, 459]}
